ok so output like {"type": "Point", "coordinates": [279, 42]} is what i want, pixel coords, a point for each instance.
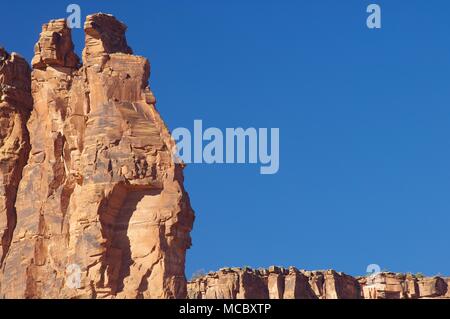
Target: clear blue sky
{"type": "Point", "coordinates": [364, 119]}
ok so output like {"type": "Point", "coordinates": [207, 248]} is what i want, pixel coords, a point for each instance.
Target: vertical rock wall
{"type": "Point", "coordinates": [100, 191]}
{"type": "Point", "coordinates": [15, 107]}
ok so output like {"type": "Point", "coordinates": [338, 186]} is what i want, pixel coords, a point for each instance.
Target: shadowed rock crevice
{"type": "Point", "coordinates": [115, 213]}
{"type": "Point", "coordinates": [11, 221]}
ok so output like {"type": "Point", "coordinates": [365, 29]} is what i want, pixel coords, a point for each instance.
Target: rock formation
{"type": "Point", "coordinates": [280, 283]}
{"type": "Point", "coordinates": [100, 198]}
{"type": "Point", "coordinates": [92, 203]}
{"type": "Point", "coordinates": [401, 286]}
{"type": "Point", "coordinates": [15, 107]}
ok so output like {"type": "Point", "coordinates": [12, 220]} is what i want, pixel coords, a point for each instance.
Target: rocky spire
{"type": "Point", "coordinates": [104, 35]}
{"type": "Point", "coordinates": [55, 47]}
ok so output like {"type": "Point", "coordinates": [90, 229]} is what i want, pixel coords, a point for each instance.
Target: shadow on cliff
{"type": "Point", "coordinates": [116, 211]}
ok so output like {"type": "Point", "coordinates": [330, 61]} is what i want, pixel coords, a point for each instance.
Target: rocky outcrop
{"type": "Point", "coordinates": [101, 195]}
{"type": "Point", "coordinates": [281, 283]}
{"type": "Point", "coordinates": [401, 286]}
{"type": "Point", "coordinates": [15, 107]}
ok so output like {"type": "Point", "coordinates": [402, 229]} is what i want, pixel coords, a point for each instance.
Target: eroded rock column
{"type": "Point", "coordinates": [101, 190]}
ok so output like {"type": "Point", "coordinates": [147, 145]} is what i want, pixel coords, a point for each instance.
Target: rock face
{"type": "Point", "coordinates": [15, 107]}
{"type": "Point", "coordinates": [101, 211]}
{"type": "Point", "coordinates": [400, 286]}
{"type": "Point", "coordinates": [280, 283]}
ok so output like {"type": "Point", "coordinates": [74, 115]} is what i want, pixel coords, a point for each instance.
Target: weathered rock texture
{"type": "Point", "coordinates": [280, 283]}
{"type": "Point", "coordinates": [400, 286]}
{"type": "Point", "coordinates": [92, 204]}
{"type": "Point", "coordinates": [15, 108]}
{"type": "Point", "coordinates": [100, 189]}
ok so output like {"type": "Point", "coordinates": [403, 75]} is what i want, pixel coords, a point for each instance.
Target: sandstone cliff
{"type": "Point", "coordinates": [280, 283]}
{"type": "Point", "coordinates": [100, 189]}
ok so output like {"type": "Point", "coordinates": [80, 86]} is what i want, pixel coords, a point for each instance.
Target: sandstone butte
{"type": "Point", "coordinates": [88, 179]}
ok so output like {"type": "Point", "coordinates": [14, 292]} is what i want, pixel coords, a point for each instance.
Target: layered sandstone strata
{"type": "Point", "coordinates": [401, 286]}
{"type": "Point", "coordinates": [100, 194]}
{"type": "Point", "coordinates": [15, 107]}
{"type": "Point", "coordinates": [281, 283]}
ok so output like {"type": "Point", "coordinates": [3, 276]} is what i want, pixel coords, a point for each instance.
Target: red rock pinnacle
{"type": "Point", "coordinates": [100, 190]}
